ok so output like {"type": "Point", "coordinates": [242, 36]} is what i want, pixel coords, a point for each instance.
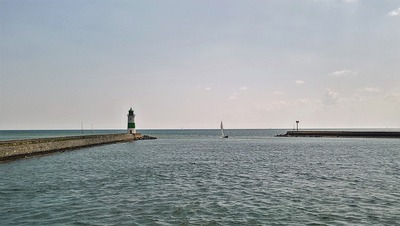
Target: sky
{"type": "Point", "coordinates": [193, 63]}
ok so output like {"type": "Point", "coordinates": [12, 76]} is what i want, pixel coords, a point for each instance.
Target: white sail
{"type": "Point", "coordinates": [222, 130]}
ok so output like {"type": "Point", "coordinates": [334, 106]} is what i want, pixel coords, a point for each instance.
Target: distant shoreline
{"type": "Point", "coordinates": [288, 129]}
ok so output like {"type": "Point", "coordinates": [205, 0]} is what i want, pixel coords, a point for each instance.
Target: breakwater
{"type": "Point", "coordinates": [15, 149]}
{"type": "Point", "coordinates": [372, 134]}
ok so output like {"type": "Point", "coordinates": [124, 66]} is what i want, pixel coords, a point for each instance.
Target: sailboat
{"type": "Point", "coordinates": [222, 131]}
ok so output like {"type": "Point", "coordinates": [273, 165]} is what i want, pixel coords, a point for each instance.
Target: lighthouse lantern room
{"type": "Point", "coordinates": [131, 122]}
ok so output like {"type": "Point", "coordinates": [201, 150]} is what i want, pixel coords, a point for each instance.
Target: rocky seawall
{"type": "Point", "coordinates": [372, 134]}
{"type": "Point", "coordinates": [15, 149]}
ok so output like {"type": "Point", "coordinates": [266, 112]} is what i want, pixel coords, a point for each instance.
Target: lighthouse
{"type": "Point", "coordinates": [131, 122]}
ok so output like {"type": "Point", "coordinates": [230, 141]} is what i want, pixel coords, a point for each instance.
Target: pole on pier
{"type": "Point", "coordinates": [297, 125]}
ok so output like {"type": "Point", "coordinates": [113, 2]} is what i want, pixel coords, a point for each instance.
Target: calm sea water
{"type": "Point", "coordinates": [191, 177]}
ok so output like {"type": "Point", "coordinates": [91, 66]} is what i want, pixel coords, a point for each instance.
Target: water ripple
{"type": "Point", "coordinates": [208, 182]}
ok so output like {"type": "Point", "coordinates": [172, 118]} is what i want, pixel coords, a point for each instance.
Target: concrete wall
{"type": "Point", "coordinates": [376, 134]}
{"type": "Point", "coordinates": [21, 148]}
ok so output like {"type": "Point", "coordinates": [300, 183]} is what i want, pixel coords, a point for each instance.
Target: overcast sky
{"type": "Point", "coordinates": [193, 63]}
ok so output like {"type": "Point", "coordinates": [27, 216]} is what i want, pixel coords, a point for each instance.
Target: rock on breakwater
{"type": "Point", "coordinates": [15, 149]}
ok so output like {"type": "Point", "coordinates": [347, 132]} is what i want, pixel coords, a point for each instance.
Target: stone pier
{"type": "Point", "coordinates": [15, 149]}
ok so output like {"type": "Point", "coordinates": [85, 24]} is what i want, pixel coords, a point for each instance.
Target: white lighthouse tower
{"type": "Point", "coordinates": [131, 122]}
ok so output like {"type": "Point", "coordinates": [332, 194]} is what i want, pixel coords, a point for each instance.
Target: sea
{"type": "Point", "coordinates": [193, 177]}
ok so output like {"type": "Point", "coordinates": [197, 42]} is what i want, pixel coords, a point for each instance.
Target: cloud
{"type": "Point", "coordinates": [350, 1]}
{"type": "Point", "coordinates": [233, 97]}
{"type": "Point", "coordinates": [208, 88]}
{"type": "Point", "coordinates": [299, 82]}
{"type": "Point", "coordinates": [277, 92]}
{"type": "Point", "coordinates": [330, 97]}
{"type": "Point", "coordinates": [280, 105]}
{"type": "Point", "coordinates": [370, 89]}
{"type": "Point", "coordinates": [345, 1]}
{"type": "Point", "coordinates": [393, 96]}
{"type": "Point", "coordinates": [344, 72]}
{"type": "Point", "coordinates": [394, 12]}
{"type": "Point", "coordinates": [243, 88]}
